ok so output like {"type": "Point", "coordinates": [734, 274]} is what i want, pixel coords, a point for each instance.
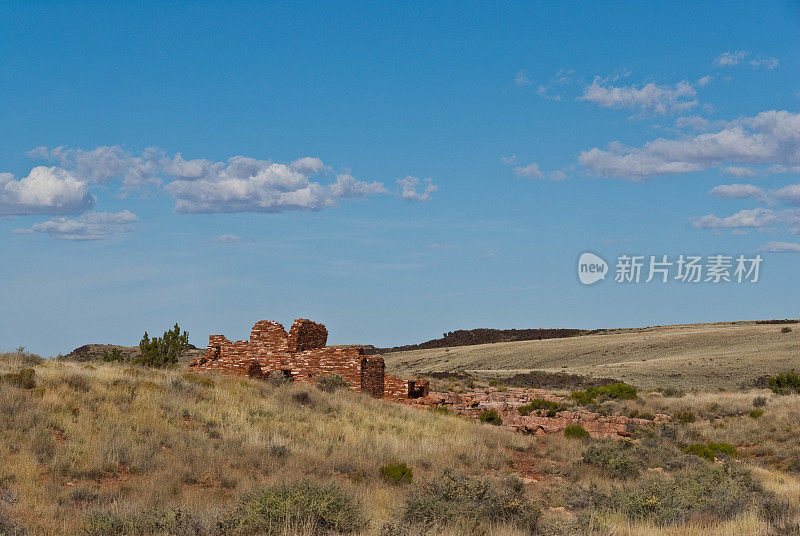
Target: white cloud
{"type": "Point", "coordinates": [790, 194]}
{"type": "Point", "coordinates": [704, 81]}
{"type": "Point", "coordinates": [408, 188]}
{"type": "Point", "coordinates": [554, 88]}
{"type": "Point", "coordinates": [781, 247]}
{"type": "Point", "coordinates": [245, 184]}
{"type": "Point", "coordinates": [521, 78]}
{"type": "Point", "coordinates": [310, 165]}
{"type": "Point", "coordinates": [89, 226]}
{"type": "Point", "coordinates": [765, 62]}
{"type": "Point", "coordinates": [771, 137]}
{"type": "Point", "coordinates": [46, 190]}
{"type": "Point", "coordinates": [738, 191]}
{"type": "Point", "coordinates": [240, 184]}
{"type": "Point", "coordinates": [739, 171]}
{"type": "Point", "coordinates": [727, 59]}
{"type": "Point", "coordinates": [227, 239]}
{"type": "Point", "coordinates": [650, 98]}
{"type": "Point", "coordinates": [531, 171]}
{"type": "Point", "coordinates": [509, 160]}
{"type": "Point", "coordinates": [757, 217]}
{"type": "Point", "coordinates": [107, 162]}
{"type": "Point", "coordinates": [558, 175]}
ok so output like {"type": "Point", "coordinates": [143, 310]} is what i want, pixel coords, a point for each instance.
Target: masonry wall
{"type": "Point", "coordinates": [302, 355]}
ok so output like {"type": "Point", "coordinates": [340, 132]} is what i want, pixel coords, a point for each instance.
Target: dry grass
{"type": "Point", "coordinates": [695, 356]}
{"type": "Point", "coordinates": [96, 437]}
{"type": "Point", "coordinates": [105, 436]}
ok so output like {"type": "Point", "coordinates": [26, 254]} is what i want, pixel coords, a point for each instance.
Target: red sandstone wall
{"type": "Point", "coordinates": [373, 376]}
{"type": "Point", "coordinates": [307, 335]}
{"type": "Point", "coordinates": [271, 349]}
{"type": "Point", "coordinates": [395, 388]}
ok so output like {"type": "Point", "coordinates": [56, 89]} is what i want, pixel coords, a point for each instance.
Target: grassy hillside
{"type": "Point", "coordinates": [101, 445]}
{"type": "Point", "coordinates": [697, 356]}
{"type": "Point", "coordinates": [99, 449]}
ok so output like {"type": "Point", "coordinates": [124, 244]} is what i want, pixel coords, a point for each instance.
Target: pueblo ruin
{"type": "Point", "coordinates": [302, 356]}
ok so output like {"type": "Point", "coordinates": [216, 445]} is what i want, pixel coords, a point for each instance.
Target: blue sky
{"type": "Point", "coordinates": [392, 170]}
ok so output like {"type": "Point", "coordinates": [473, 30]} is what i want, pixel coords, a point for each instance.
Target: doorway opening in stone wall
{"type": "Point", "coordinates": [287, 374]}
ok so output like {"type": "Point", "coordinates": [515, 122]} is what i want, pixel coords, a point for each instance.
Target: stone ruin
{"type": "Point", "coordinates": [302, 356]}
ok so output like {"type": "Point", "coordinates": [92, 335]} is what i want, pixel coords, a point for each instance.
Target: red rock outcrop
{"type": "Point", "coordinates": [507, 402]}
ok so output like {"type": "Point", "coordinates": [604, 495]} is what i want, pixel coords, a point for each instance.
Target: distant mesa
{"type": "Point", "coordinates": [469, 337]}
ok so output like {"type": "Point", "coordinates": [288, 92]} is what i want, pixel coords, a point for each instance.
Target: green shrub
{"type": "Point", "coordinates": [785, 383]}
{"type": "Point", "coordinates": [396, 473]}
{"type": "Point", "coordinates": [756, 413]}
{"type": "Point", "coordinates": [24, 379]}
{"type": "Point", "coordinates": [617, 459]}
{"type": "Point", "coordinates": [163, 351]}
{"type": "Point", "coordinates": [540, 405]}
{"type": "Point", "coordinates": [205, 381]}
{"type": "Point", "coordinates": [711, 451]}
{"type": "Point", "coordinates": [490, 416]}
{"type": "Point", "coordinates": [115, 354]}
{"type": "Point", "coordinates": [619, 391]}
{"type": "Point", "coordinates": [685, 416]}
{"type": "Point", "coordinates": [77, 382]}
{"type": "Point", "coordinates": [712, 490]}
{"type": "Point", "coordinates": [276, 378]}
{"type": "Point", "coordinates": [331, 382]}
{"type": "Point", "coordinates": [673, 392]}
{"type": "Point", "coordinates": [320, 508]}
{"type": "Point", "coordinates": [115, 523]}
{"type": "Point", "coordinates": [575, 431]}
{"type": "Point", "coordinates": [786, 329]}
{"type": "Point", "coordinates": [452, 499]}
{"type": "Point", "coordinates": [759, 402]}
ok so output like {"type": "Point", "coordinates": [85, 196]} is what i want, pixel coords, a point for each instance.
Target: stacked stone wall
{"type": "Point", "coordinates": [302, 356]}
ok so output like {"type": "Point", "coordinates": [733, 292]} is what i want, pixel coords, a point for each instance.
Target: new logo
{"type": "Point", "coordinates": [591, 268]}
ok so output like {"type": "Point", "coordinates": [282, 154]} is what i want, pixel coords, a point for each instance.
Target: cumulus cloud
{"type": "Point", "coordinates": [531, 171]}
{"type": "Point", "coordinates": [650, 98]}
{"type": "Point", "coordinates": [89, 226]}
{"type": "Point", "coordinates": [239, 184]}
{"type": "Point", "coordinates": [107, 162]}
{"type": "Point", "coordinates": [771, 137]}
{"type": "Point", "coordinates": [738, 191]}
{"type": "Point", "coordinates": [245, 184]}
{"type": "Point", "coordinates": [409, 188]}
{"type": "Point", "coordinates": [729, 59]}
{"type": "Point", "coordinates": [46, 190]}
{"type": "Point", "coordinates": [227, 239]}
{"type": "Point", "coordinates": [310, 165]}
{"type": "Point", "coordinates": [781, 247]}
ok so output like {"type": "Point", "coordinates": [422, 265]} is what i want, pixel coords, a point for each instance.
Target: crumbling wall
{"type": "Point", "coordinates": [372, 376]}
{"type": "Point", "coordinates": [302, 355]}
{"type": "Point", "coordinates": [307, 335]}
